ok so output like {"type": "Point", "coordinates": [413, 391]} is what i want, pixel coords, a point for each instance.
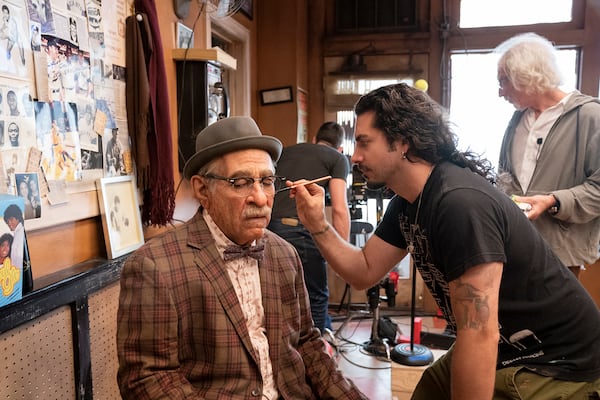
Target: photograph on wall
{"type": "Point", "coordinates": [116, 152]}
{"type": "Point", "coordinates": [14, 254]}
{"type": "Point", "coordinates": [76, 7]}
{"type": "Point", "coordinates": [120, 212]}
{"type": "Point", "coordinates": [15, 48]}
{"type": "Point", "coordinates": [95, 29]}
{"type": "Point", "coordinates": [82, 72]}
{"type": "Point", "coordinates": [40, 11]}
{"type": "Point", "coordinates": [19, 134]}
{"type": "Point", "coordinates": [56, 127]}
{"type": "Point", "coordinates": [185, 36]}
{"type": "Point", "coordinates": [114, 29]}
{"type": "Point", "coordinates": [68, 71]}
{"type": "Point", "coordinates": [28, 188]}
{"type": "Point", "coordinates": [116, 149]}
{"type": "Point", "coordinates": [69, 24]}
{"type": "Point", "coordinates": [16, 99]}
{"type": "Point", "coordinates": [88, 138]}
{"type": "Point", "coordinates": [13, 161]}
{"type": "Point", "coordinates": [91, 160]}
{"type": "Point", "coordinates": [35, 37]}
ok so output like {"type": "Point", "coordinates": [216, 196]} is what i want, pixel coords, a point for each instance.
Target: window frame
{"type": "Point", "coordinates": [563, 34]}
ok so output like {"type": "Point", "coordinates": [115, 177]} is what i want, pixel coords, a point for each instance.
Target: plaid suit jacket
{"type": "Point", "coordinates": [182, 334]}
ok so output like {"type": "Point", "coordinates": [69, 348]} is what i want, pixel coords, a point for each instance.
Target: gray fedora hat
{"type": "Point", "coordinates": [228, 135]}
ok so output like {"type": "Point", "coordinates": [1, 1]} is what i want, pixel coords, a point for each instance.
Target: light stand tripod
{"type": "Point", "coordinates": [412, 354]}
{"type": "Point", "coordinates": [376, 345]}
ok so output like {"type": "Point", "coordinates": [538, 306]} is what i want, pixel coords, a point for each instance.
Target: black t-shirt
{"type": "Point", "coordinates": [306, 161]}
{"type": "Point", "coordinates": [548, 321]}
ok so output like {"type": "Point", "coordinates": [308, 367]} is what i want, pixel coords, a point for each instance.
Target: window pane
{"type": "Point", "coordinates": [363, 86]}
{"type": "Point", "coordinates": [478, 114]}
{"type": "Point", "coordinates": [358, 86]}
{"type": "Point", "coordinates": [479, 13]}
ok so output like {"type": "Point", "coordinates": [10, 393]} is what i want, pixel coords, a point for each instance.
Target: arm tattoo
{"type": "Point", "coordinates": [472, 306]}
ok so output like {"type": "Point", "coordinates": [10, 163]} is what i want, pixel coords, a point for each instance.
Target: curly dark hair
{"type": "Point", "coordinates": [411, 116]}
{"type": "Point", "coordinates": [7, 237]}
{"type": "Point", "coordinates": [13, 210]}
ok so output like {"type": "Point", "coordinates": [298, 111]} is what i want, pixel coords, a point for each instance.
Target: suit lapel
{"type": "Point", "coordinates": [213, 267]}
{"type": "Point", "coordinates": [269, 284]}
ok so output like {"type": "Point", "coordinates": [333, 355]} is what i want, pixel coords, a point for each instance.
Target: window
{"type": "Point", "coordinates": [361, 16]}
{"type": "Point", "coordinates": [478, 13]}
{"type": "Point", "coordinates": [362, 86]}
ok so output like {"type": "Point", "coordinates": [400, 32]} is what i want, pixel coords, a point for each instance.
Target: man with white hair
{"type": "Point", "coordinates": [549, 156]}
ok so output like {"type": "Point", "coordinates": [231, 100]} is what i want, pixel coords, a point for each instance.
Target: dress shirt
{"type": "Point", "coordinates": [530, 137]}
{"type": "Point", "coordinates": [245, 278]}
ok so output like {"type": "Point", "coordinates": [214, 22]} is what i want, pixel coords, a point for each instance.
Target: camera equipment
{"type": "Point", "coordinates": [360, 191]}
{"type": "Point", "coordinates": [356, 194]}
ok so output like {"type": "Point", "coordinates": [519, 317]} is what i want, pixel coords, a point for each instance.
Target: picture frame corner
{"type": "Point", "coordinates": [108, 188]}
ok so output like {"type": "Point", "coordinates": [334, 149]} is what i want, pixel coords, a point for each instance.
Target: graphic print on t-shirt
{"type": "Point", "coordinates": [432, 276]}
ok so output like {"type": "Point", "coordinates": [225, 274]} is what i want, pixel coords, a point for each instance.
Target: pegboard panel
{"type": "Point", "coordinates": [37, 359]}
{"type": "Point", "coordinates": [103, 307]}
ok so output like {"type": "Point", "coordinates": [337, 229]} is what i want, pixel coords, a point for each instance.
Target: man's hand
{"type": "Point", "coordinates": [310, 204]}
{"type": "Point", "coordinates": [539, 204]}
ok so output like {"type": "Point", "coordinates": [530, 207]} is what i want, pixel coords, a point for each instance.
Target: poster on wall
{"type": "Point", "coordinates": [40, 12]}
{"type": "Point", "coordinates": [14, 254]}
{"type": "Point", "coordinates": [68, 71]}
{"type": "Point", "coordinates": [15, 46]}
{"type": "Point", "coordinates": [59, 141]}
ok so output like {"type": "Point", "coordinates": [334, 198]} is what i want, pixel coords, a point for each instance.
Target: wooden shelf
{"type": "Point", "coordinates": [215, 54]}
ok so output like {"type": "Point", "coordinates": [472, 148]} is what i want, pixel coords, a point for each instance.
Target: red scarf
{"type": "Point", "coordinates": [148, 116]}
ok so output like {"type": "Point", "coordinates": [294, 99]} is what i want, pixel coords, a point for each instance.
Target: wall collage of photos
{"type": "Point", "coordinates": [62, 98]}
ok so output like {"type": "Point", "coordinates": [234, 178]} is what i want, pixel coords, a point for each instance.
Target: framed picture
{"type": "Point", "coordinates": [120, 212]}
{"type": "Point", "coordinates": [15, 263]}
{"type": "Point", "coordinates": [28, 188]}
{"type": "Point", "coordinates": [185, 36]}
{"type": "Point", "coordinates": [246, 8]}
{"type": "Point", "coordinates": [276, 95]}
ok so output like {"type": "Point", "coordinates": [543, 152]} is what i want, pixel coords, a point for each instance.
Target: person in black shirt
{"type": "Point", "coordinates": [525, 327]}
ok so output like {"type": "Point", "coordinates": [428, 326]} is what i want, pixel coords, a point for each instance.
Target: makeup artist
{"type": "Point", "coordinates": [525, 327]}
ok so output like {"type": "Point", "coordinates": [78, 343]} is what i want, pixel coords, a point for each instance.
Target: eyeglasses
{"type": "Point", "coordinates": [502, 81]}
{"type": "Point", "coordinates": [244, 185]}
{"type": "Point", "coordinates": [13, 129]}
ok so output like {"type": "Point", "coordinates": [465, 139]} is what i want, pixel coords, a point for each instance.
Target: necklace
{"type": "Point", "coordinates": [413, 227]}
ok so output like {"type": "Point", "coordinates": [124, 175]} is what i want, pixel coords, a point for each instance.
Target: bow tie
{"type": "Point", "coordinates": [235, 251]}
